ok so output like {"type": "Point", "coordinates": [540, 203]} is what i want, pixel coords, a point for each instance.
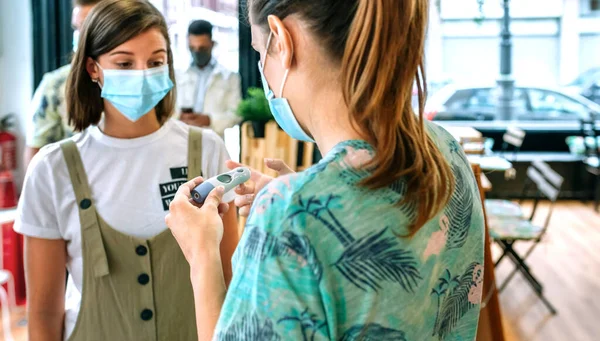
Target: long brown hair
{"type": "Point", "coordinates": [110, 24]}
{"type": "Point", "coordinates": [380, 46]}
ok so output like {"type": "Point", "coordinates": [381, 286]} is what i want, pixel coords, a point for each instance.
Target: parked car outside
{"type": "Point", "coordinates": [454, 103]}
{"type": "Point", "coordinates": [586, 85]}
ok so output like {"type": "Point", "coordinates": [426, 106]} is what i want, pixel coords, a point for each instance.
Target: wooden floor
{"type": "Point", "coordinates": [567, 263]}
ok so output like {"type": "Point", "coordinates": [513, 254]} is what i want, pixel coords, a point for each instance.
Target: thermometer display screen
{"type": "Point", "coordinates": [224, 178]}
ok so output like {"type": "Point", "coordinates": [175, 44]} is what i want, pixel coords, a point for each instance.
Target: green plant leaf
{"type": "Point", "coordinates": [255, 106]}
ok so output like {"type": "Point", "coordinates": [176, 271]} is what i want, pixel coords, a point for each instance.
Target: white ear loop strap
{"type": "Point", "coordinates": [287, 72]}
{"type": "Point", "coordinates": [97, 81]}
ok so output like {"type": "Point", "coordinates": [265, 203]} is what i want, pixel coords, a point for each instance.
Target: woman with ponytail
{"type": "Point", "coordinates": [383, 239]}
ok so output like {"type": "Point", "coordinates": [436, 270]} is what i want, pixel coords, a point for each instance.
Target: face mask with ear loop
{"type": "Point", "coordinates": [135, 92]}
{"type": "Point", "coordinates": [280, 107]}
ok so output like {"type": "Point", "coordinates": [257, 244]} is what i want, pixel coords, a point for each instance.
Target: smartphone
{"type": "Point", "coordinates": [187, 110]}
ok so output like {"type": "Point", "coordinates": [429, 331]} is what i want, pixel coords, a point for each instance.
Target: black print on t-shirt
{"type": "Point", "coordinates": [170, 188]}
{"type": "Point", "coordinates": [180, 173]}
{"type": "Point", "coordinates": [167, 201]}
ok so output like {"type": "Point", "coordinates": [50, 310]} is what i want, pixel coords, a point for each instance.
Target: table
{"type": "Point", "coordinates": [490, 163]}
{"type": "Point", "coordinates": [463, 133]}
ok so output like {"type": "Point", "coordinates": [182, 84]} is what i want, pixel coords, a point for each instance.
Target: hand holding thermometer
{"type": "Point", "coordinates": [228, 180]}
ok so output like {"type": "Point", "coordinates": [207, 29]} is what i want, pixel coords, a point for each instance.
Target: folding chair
{"type": "Point", "coordinates": [513, 137]}
{"type": "Point", "coordinates": [509, 208]}
{"type": "Point", "coordinates": [506, 231]}
{"type": "Point", "coordinates": [591, 133]}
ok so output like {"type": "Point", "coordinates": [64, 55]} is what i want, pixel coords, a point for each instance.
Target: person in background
{"type": "Point", "coordinates": [47, 120]}
{"type": "Point", "coordinates": [95, 203]}
{"type": "Point", "coordinates": [381, 240]}
{"type": "Point", "coordinates": [208, 93]}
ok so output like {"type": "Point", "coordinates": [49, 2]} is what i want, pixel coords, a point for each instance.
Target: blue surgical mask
{"type": "Point", "coordinates": [75, 40]}
{"type": "Point", "coordinates": [280, 107]}
{"type": "Point", "coordinates": [135, 92]}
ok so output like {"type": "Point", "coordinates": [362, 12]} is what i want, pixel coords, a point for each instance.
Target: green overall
{"type": "Point", "coordinates": [133, 289]}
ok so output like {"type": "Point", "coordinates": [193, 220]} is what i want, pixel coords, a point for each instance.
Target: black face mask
{"type": "Point", "coordinates": [201, 58]}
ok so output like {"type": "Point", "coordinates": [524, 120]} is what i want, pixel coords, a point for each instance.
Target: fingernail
{"type": "Point", "coordinates": [221, 189]}
{"type": "Point", "coordinates": [268, 160]}
{"type": "Point", "coordinates": [250, 197]}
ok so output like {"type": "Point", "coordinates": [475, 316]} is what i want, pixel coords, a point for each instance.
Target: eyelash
{"type": "Point", "coordinates": [127, 65]}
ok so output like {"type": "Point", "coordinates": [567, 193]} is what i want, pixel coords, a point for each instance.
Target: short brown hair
{"type": "Point", "coordinates": [110, 24]}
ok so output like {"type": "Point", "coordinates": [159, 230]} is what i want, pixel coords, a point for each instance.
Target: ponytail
{"type": "Point", "coordinates": [383, 56]}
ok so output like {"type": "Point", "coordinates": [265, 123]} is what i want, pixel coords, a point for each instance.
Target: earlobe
{"type": "Point", "coordinates": [283, 40]}
{"type": "Point", "coordinates": [92, 68]}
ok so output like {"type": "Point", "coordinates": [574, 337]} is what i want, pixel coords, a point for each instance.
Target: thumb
{"type": "Point", "coordinates": [233, 165]}
{"type": "Point", "coordinates": [278, 166]}
{"type": "Point", "coordinates": [214, 198]}
{"type": "Point", "coordinates": [254, 174]}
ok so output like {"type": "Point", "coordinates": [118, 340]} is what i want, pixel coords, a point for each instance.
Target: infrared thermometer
{"type": "Point", "coordinates": [228, 180]}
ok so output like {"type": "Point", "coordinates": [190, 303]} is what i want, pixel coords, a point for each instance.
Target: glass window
{"type": "Point", "coordinates": [459, 100]}
{"type": "Point", "coordinates": [590, 7]}
{"type": "Point", "coordinates": [482, 98]}
{"type": "Point", "coordinates": [553, 104]}
{"type": "Point", "coordinates": [223, 14]}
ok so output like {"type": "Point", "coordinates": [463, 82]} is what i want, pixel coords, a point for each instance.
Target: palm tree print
{"type": "Point", "coordinates": [408, 208]}
{"type": "Point", "coordinates": [373, 332]}
{"type": "Point", "coordinates": [261, 245]}
{"type": "Point", "coordinates": [309, 324]}
{"type": "Point", "coordinates": [250, 328]}
{"type": "Point", "coordinates": [459, 211]}
{"type": "Point", "coordinates": [456, 301]}
{"type": "Point", "coordinates": [441, 290]}
{"type": "Point", "coordinates": [365, 262]}
{"type": "Point", "coordinates": [373, 259]}
{"type": "Point", "coordinates": [315, 207]}
{"type": "Point", "coordinates": [301, 246]}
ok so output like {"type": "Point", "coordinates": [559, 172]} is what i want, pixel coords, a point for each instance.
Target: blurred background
{"type": "Point", "coordinates": [516, 82]}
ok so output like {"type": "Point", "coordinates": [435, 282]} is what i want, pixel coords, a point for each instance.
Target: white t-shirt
{"type": "Point", "coordinates": [132, 183]}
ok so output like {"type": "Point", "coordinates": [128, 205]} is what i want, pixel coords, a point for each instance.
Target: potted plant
{"type": "Point", "coordinates": [255, 109]}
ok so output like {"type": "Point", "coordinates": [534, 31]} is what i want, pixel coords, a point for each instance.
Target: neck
{"type": "Point", "coordinates": [118, 126]}
{"type": "Point", "coordinates": [330, 120]}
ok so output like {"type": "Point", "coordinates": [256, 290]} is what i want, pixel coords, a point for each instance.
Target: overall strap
{"type": "Point", "coordinates": [90, 226]}
{"type": "Point", "coordinates": [194, 153]}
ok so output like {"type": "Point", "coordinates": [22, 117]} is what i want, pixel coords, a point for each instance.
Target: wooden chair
{"type": "Point", "coordinates": [490, 321]}
{"type": "Point", "coordinates": [507, 230]}
{"type": "Point", "coordinates": [591, 132]}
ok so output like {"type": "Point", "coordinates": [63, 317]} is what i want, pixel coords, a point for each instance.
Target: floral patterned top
{"type": "Point", "coordinates": [324, 259]}
{"type": "Point", "coordinates": [48, 122]}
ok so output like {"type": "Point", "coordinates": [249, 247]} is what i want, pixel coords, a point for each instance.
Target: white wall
{"type": "Point", "coordinates": [16, 67]}
{"type": "Point", "coordinates": [471, 53]}
{"type": "Point", "coordinates": [553, 43]}
{"type": "Point", "coordinates": [589, 52]}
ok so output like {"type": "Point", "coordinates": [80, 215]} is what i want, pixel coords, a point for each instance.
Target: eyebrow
{"type": "Point", "coordinates": [131, 53]}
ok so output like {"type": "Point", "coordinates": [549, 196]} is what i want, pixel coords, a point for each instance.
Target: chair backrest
{"type": "Point", "coordinates": [513, 137]}
{"type": "Point", "coordinates": [548, 184]}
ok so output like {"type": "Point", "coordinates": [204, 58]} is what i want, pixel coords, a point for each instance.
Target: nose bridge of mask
{"type": "Point", "coordinates": [136, 82]}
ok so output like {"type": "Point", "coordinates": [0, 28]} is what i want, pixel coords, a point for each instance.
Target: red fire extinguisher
{"type": "Point", "coordinates": [8, 144]}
